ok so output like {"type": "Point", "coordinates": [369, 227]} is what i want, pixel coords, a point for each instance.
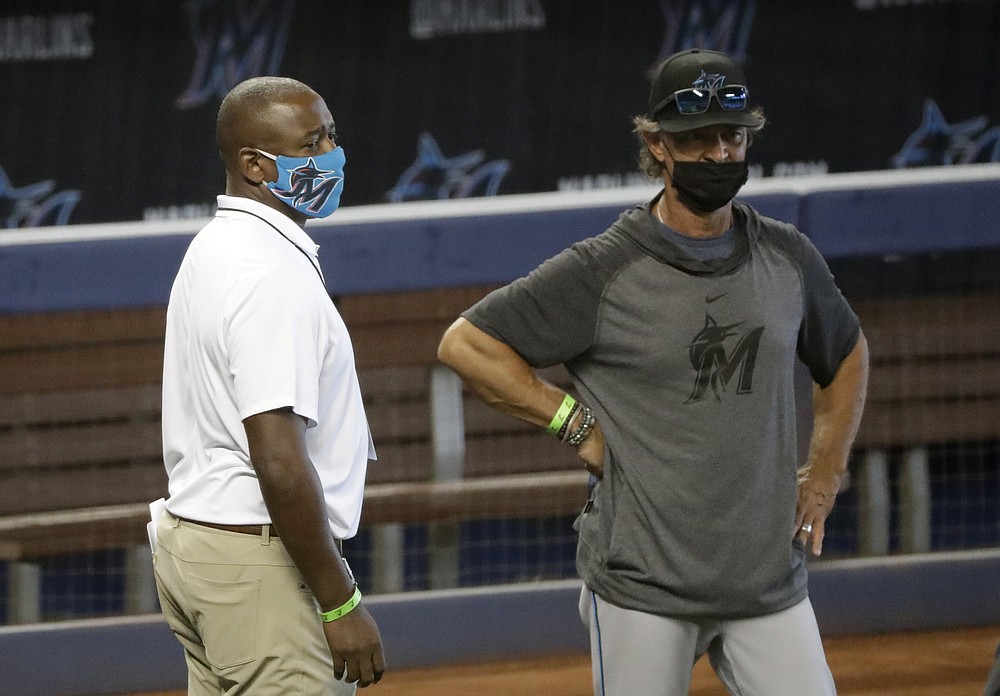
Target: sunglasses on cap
{"type": "Point", "coordinates": [696, 100]}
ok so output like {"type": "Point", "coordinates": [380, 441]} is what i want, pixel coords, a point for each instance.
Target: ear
{"type": "Point", "coordinates": [252, 166]}
{"type": "Point", "coordinates": [654, 141]}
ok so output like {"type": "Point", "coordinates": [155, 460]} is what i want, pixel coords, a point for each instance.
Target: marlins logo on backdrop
{"type": "Point", "coordinates": [936, 142]}
{"type": "Point", "coordinates": [235, 40]}
{"type": "Point", "coordinates": [36, 204]}
{"type": "Point", "coordinates": [432, 176]}
{"type": "Point", "coordinates": [718, 25]}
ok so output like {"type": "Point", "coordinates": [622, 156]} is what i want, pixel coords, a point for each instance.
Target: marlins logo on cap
{"type": "Point", "coordinates": [698, 88]}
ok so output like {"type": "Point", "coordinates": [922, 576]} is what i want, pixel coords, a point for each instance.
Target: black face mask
{"type": "Point", "coordinates": [707, 186]}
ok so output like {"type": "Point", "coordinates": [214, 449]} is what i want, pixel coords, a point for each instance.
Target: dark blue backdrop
{"type": "Point", "coordinates": [875, 221]}
{"type": "Point", "coordinates": [109, 105]}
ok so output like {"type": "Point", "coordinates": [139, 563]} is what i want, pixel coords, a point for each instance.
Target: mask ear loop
{"type": "Point", "coordinates": [670, 174]}
{"type": "Point", "coordinates": [673, 157]}
{"type": "Point", "coordinates": [271, 157]}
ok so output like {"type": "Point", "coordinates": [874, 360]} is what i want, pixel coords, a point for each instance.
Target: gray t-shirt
{"type": "Point", "coordinates": [689, 366]}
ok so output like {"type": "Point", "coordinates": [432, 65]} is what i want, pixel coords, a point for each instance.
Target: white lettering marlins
{"type": "Point", "coordinates": [430, 18]}
{"type": "Point", "coordinates": [46, 37]}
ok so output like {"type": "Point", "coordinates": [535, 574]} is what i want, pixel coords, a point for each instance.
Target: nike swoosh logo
{"type": "Point", "coordinates": [709, 299]}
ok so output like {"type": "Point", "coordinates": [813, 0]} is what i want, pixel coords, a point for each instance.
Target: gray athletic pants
{"type": "Point", "coordinates": [993, 681]}
{"type": "Point", "coordinates": [639, 654]}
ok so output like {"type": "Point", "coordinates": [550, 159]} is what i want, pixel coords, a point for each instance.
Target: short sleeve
{"type": "Point", "coordinates": [549, 316]}
{"type": "Point", "coordinates": [270, 330]}
{"type": "Point", "coordinates": [830, 328]}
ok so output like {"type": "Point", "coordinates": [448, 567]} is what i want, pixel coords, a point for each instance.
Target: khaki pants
{"type": "Point", "coordinates": [239, 607]}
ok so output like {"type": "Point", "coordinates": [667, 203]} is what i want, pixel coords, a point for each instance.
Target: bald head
{"type": "Point", "coordinates": [251, 114]}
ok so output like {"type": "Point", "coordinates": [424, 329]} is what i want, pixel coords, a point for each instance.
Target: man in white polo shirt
{"type": "Point", "coordinates": [265, 438]}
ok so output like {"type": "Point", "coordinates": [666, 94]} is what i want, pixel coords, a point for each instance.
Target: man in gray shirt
{"type": "Point", "coordinates": [681, 326]}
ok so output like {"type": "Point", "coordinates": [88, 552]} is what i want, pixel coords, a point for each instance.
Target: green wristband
{"type": "Point", "coordinates": [561, 414]}
{"type": "Point", "coordinates": [344, 609]}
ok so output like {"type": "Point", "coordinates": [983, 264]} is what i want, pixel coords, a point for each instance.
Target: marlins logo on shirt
{"type": "Point", "coordinates": [714, 367]}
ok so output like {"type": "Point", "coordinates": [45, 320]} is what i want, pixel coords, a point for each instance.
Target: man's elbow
{"type": "Point", "coordinates": [452, 345]}
{"type": "Point", "coordinates": [859, 356]}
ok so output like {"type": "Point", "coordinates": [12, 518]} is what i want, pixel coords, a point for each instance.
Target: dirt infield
{"type": "Point", "coordinates": [927, 663]}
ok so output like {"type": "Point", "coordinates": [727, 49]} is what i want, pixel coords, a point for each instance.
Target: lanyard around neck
{"type": "Point", "coordinates": [312, 262]}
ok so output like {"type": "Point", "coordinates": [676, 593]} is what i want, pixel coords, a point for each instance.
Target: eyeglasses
{"type": "Point", "coordinates": [696, 100]}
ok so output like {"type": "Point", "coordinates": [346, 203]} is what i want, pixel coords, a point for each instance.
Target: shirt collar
{"type": "Point", "coordinates": [288, 228]}
{"type": "Point", "coordinates": [638, 224]}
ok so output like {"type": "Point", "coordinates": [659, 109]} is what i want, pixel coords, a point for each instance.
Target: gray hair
{"type": "Point", "coordinates": [648, 164]}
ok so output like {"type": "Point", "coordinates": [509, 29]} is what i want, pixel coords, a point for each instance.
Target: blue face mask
{"type": "Point", "coordinates": [311, 185]}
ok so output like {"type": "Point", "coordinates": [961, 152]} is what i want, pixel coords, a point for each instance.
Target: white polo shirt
{"type": "Point", "coordinates": [251, 328]}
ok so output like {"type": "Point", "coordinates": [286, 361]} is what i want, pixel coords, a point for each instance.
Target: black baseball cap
{"type": "Point", "coordinates": [699, 69]}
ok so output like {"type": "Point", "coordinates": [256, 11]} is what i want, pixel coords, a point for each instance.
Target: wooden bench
{"type": "Point", "coordinates": [80, 441]}
{"type": "Point", "coordinates": [935, 370]}
{"type": "Point", "coordinates": [935, 380]}
{"type": "Point", "coordinates": [79, 427]}
{"type": "Point", "coordinates": [80, 452]}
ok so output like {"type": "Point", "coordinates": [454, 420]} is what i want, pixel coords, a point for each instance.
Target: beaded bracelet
{"type": "Point", "coordinates": [564, 429]}
{"type": "Point", "coordinates": [587, 421]}
{"type": "Point", "coordinates": [567, 431]}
